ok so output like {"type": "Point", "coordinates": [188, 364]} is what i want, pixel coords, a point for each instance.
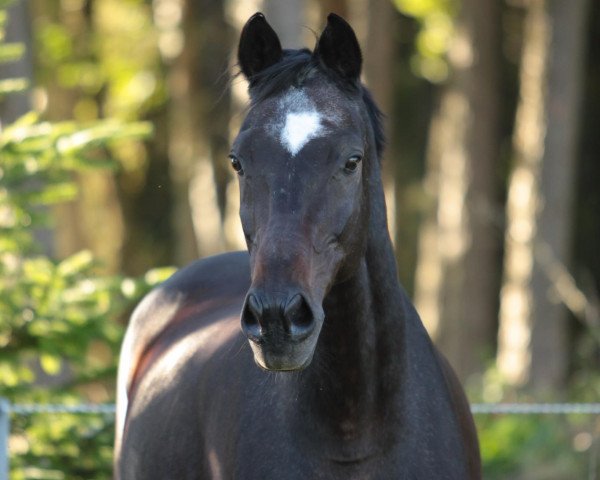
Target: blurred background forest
{"type": "Point", "coordinates": [115, 123]}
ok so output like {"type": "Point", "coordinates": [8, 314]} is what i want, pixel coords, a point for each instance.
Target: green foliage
{"type": "Point", "coordinates": [59, 318]}
{"type": "Point", "coordinates": [104, 61]}
{"type": "Point", "coordinates": [549, 447]}
{"type": "Point", "coordinates": [123, 82]}
{"type": "Point", "coordinates": [436, 22]}
{"type": "Point", "coordinates": [56, 315]}
{"type": "Point", "coordinates": [62, 446]}
{"type": "Point", "coordinates": [538, 446]}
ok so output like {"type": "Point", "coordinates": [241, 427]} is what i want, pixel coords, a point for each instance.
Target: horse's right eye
{"type": "Point", "coordinates": [236, 164]}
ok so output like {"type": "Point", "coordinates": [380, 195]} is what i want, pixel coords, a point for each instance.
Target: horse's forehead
{"type": "Point", "coordinates": [311, 98]}
{"type": "Point", "coordinates": [300, 115]}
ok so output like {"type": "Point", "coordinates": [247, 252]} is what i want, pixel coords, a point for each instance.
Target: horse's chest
{"type": "Point", "coordinates": [296, 465]}
{"type": "Point", "coordinates": [274, 452]}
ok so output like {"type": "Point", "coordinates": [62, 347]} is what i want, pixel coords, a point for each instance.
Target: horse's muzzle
{"type": "Point", "coordinates": [282, 329]}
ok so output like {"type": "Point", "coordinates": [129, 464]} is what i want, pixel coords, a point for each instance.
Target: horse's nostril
{"type": "Point", "coordinates": [251, 316]}
{"type": "Point", "coordinates": [265, 321]}
{"type": "Point", "coordinates": [255, 307]}
{"type": "Point", "coordinates": [298, 315]}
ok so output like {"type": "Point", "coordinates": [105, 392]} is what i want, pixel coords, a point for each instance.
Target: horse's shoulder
{"type": "Point", "coordinates": [199, 291]}
{"type": "Point", "coordinates": [426, 358]}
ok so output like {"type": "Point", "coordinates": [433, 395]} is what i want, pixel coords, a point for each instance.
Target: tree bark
{"type": "Point", "coordinates": [199, 120]}
{"type": "Point", "coordinates": [94, 220]}
{"type": "Point", "coordinates": [457, 275]}
{"type": "Point", "coordinates": [378, 48]}
{"type": "Point", "coordinates": [533, 337]}
{"type": "Point", "coordinates": [18, 31]}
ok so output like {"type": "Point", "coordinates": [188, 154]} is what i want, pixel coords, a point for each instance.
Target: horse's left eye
{"type": "Point", "coordinates": [236, 164]}
{"type": "Point", "coordinates": [352, 163]}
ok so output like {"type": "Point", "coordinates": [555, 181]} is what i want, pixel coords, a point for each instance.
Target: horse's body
{"type": "Point", "coordinates": [372, 398]}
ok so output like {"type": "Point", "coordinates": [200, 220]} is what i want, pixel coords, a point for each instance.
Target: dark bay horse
{"type": "Point", "coordinates": [349, 385]}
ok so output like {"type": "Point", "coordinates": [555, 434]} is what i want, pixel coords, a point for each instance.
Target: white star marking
{"type": "Point", "coordinates": [299, 129]}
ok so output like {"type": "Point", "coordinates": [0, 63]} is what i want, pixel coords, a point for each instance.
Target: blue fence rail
{"type": "Point", "coordinates": [7, 409]}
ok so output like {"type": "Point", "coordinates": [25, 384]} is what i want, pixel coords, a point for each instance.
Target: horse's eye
{"type": "Point", "coordinates": [352, 163]}
{"type": "Point", "coordinates": [236, 164]}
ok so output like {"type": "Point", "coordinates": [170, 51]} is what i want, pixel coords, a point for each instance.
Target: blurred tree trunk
{"type": "Point", "coordinates": [97, 211]}
{"type": "Point", "coordinates": [18, 31]}
{"type": "Point", "coordinates": [287, 17]}
{"type": "Point", "coordinates": [199, 119]}
{"type": "Point", "coordinates": [60, 102]}
{"type": "Point", "coordinates": [94, 220]}
{"type": "Point", "coordinates": [13, 106]}
{"type": "Point", "coordinates": [458, 273]}
{"type": "Point", "coordinates": [533, 337]}
{"type": "Point", "coordinates": [378, 54]}
{"type": "Point", "coordinates": [339, 7]}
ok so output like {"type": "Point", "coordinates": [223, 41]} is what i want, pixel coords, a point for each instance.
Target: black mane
{"type": "Point", "coordinates": [294, 69]}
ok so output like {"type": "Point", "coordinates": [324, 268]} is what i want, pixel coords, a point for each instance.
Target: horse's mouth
{"type": "Point", "coordinates": [283, 366]}
{"type": "Point", "coordinates": [286, 358]}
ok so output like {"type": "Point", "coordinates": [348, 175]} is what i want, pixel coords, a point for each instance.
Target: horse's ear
{"type": "Point", "coordinates": [338, 48]}
{"type": "Point", "coordinates": [259, 46]}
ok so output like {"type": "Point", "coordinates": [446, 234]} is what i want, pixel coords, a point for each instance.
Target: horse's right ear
{"type": "Point", "coordinates": [259, 46]}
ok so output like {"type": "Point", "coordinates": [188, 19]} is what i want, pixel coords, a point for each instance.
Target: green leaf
{"type": "Point", "coordinates": [52, 194]}
{"type": "Point", "coordinates": [101, 134]}
{"type": "Point", "coordinates": [158, 275]}
{"type": "Point", "coordinates": [13, 85]}
{"type": "Point", "coordinates": [38, 270]}
{"type": "Point", "coordinates": [9, 52]}
{"type": "Point", "coordinates": [76, 264]}
{"type": "Point", "coordinates": [8, 375]}
{"type": "Point", "coordinates": [50, 363]}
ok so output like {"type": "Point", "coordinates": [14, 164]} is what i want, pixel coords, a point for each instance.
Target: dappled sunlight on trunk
{"type": "Point", "coordinates": [533, 334]}
{"type": "Point", "coordinates": [206, 216]}
{"type": "Point", "coordinates": [456, 276]}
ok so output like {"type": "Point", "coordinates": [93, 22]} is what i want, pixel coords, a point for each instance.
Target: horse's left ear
{"type": "Point", "coordinates": [338, 48]}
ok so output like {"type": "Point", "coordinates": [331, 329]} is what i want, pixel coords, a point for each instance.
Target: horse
{"type": "Point", "coordinates": [341, 380]}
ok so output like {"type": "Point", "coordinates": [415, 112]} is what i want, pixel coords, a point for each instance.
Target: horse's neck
{"type": "Point", "coordinates": [353, 389]}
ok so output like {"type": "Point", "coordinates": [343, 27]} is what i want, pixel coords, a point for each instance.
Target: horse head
{"type": "Point", "coordinates": [304, 157]}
